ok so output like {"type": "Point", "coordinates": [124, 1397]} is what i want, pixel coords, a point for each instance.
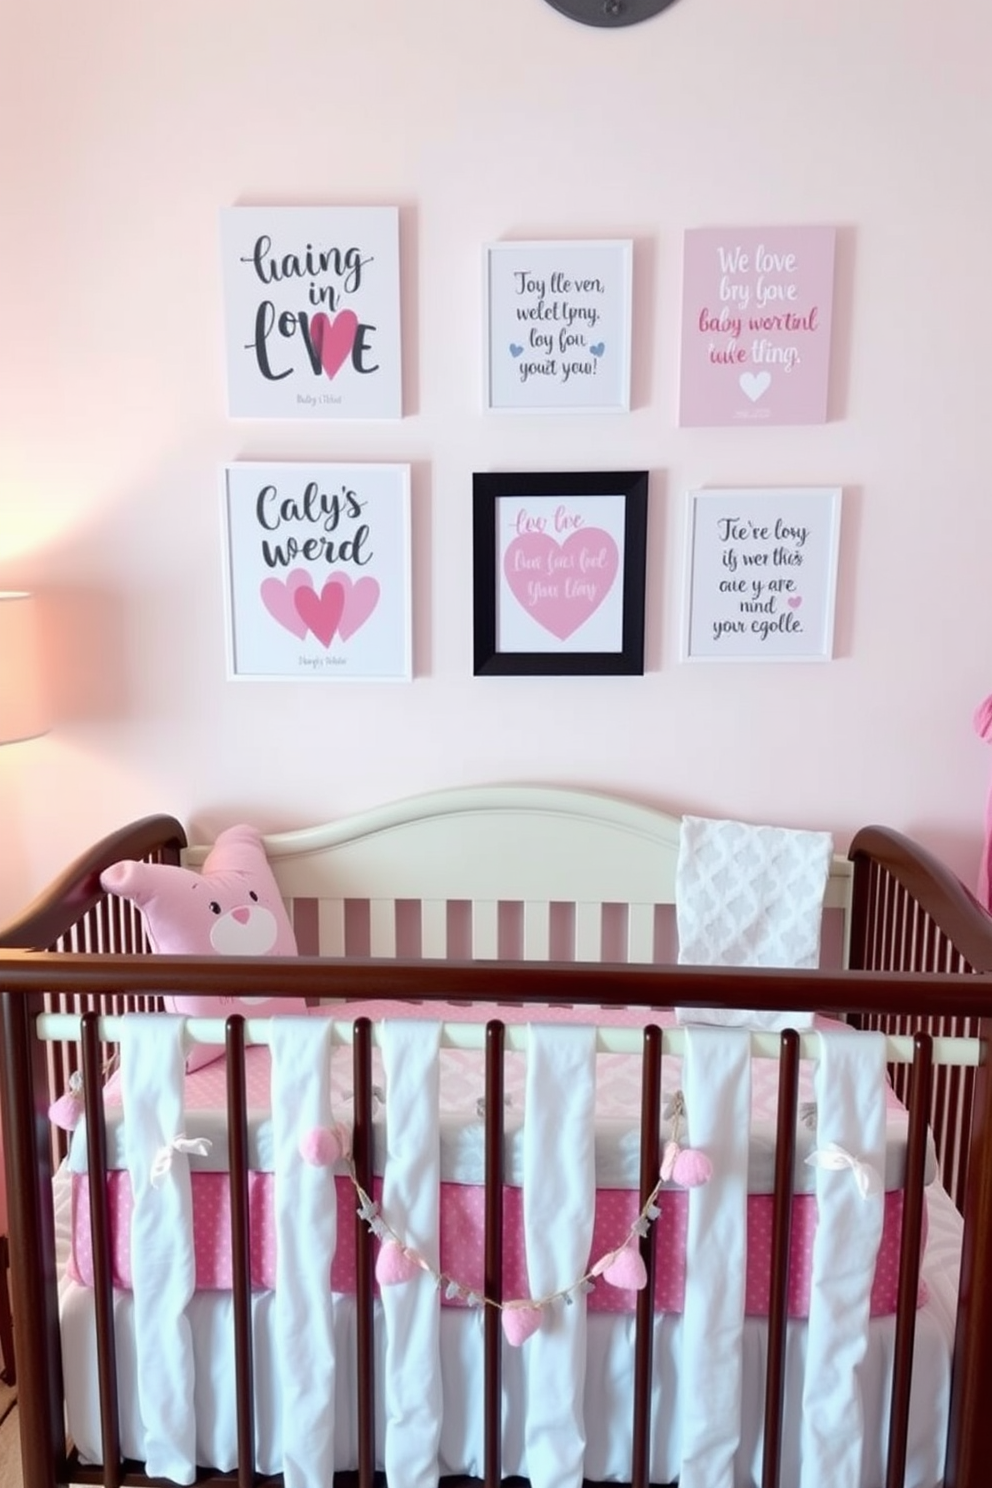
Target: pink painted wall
{"type": "Point", "coordinates": [127, 127]}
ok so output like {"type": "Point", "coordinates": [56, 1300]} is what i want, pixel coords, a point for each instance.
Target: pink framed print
{"type": "Point", "coordinates": [761, 574]}
{"type": "Point", "coordinates": [756, 317]}
{"type": "Point", "coordinates": [559, 572]}
{"type": "Point", "coordinates": [317, 568]}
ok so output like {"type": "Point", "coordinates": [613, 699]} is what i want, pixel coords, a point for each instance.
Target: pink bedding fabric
{"type": "Point", "coordinates": [462, 1204]}
{"type": "Point", "coordinates": [462, 1242]}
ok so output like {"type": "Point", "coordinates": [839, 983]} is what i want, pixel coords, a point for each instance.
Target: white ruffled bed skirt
{"type": "Point", "coordinates": [608, 1392]}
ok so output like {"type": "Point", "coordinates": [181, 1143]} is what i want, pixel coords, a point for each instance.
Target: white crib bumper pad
{"type": "Point", "coordinates": [461, 1107]}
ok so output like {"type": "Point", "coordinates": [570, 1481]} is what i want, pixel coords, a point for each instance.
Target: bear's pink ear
{"type": "Point", "coordinates": [236, 850]}
{"type": "Point", "coordinates": [135, 881]}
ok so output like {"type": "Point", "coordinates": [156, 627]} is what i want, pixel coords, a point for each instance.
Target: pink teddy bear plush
{"type": "Point", "coordinates": [231, 908]}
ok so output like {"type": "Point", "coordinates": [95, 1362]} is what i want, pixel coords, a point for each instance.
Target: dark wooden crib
{"type": "Point", "coordinates": [917, 949]}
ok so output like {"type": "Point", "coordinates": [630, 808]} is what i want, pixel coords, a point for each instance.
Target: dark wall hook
{"type": "Point", "coordinates": [610, 12]}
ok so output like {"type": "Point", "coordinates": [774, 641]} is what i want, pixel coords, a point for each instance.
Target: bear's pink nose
{"type": "Point", "coordinates": [242, 914]}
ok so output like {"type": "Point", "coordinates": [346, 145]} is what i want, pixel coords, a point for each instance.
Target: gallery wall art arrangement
{"type": "Point", "coordinates": [318, 555]}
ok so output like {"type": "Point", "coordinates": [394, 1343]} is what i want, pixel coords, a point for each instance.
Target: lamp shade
{"type": "Point", "coordinates": [23, 710]}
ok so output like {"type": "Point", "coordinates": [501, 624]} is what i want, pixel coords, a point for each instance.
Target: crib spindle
{"type": "Point", "coordinates": [433, 929]}
{"type": "Point", "coordinates": [382, 928]}
{"type": "Point", "coordinates": [330, 927]}
{"type": "Point", "coordinates": [103, 1285]}
{"type": "Point", "coordinates": [640, 1466]}
{"type": "Point", "coordinates": [485, 929]}
{"type": "Point", "coordinates": [361, 1148]}
{"type": "Point", "coordinates": [909, 1258]}
{"type": "Point", "coordinates": [640, 934]}
{"type": "Point", "coordinates": [537, 930]}
{"type": "Point", "coordinates": [493, 1335]}
{"type": "Point", "coordinates": [588, 932]}
{"type": "Point", "coordinates": [778, 1306]}
{"type": "Point", "coordinates": [237, 1148]}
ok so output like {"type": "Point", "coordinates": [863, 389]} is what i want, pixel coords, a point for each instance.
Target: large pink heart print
{"type": "Point", "coordinates": [321, 612]}
{"type": "Point", "coordinates": [360, 599]}
{"type": "Point", "coordinates": [333, 339]}
{"type": "Point", "coordinates": [279, 598]}
{"type": "Point", "coordinates": [561, 584]}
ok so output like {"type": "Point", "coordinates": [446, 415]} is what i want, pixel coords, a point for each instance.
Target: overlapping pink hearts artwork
{"type": "Point", "coordinates": [339, 608]}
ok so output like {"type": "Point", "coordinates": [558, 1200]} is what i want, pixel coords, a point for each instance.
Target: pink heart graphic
{"type": "Point", "coordinates": [627, 1269]}
{"type": "Point", "coordinates": [360, 599]}
{"type": "Point", "coordinates": [279, 598]}
{"type": "Point", "coordinates": [795, 600]}
{"type": "Point", "coordinates": [520, 1322]}
{"type": "Point", "coordinates": [321, 612]}
{"type": "Point", "coordinates": [561, 584]}
{"type": "Point", "coordinates": [333, 339]}
{"type": "Point", "coordinates": [394, 1265]}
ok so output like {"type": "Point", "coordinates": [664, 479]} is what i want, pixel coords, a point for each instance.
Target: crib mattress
{"type": "Point", "coordinates": [462, 1242]}
{"type": "Point", "coordinates": [462, 1197]}
{"type": "Point", "coordinates": [618, 1079]}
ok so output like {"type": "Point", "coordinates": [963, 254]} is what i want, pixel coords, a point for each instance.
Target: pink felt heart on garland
{"type": "Point", "coordinates": [67, 1112]}
{"type": "Point", "coordinates": [520, 1322]}
{"type": "Point", "coordinates": [396, 1265]}
{"type": "Point", "coordinates": [322, 1146]}
{"type": "Point", "coordinates": [692, 1168]}
{"type": "Point", "coordinates": [668, 1157]}
{"type": "Point", "coordinates": [627, 1269]}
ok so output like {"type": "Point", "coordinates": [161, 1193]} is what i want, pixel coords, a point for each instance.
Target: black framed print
{"type": "Point", "coordinates": [559, 572]}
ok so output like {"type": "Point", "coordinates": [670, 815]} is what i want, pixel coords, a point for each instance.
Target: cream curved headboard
{"type": "Point", "coordinates": [523, 869]}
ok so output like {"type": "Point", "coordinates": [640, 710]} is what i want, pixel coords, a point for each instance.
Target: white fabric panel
{"type": "Point", "coordinates": [411, 1206]}
{"type": "Point", "coordinates": [153, 1067]}
{"type": "Point", "coordinates": [382, 928]}
{"type": "Point", "coordinates": [749, 896]}
{"type": "Point", "coordinates": [850, 1095]}
{"type": "Point", "coordinates": [305, 1211]}
{"type": "Point", "coordinates": [559, 1196]}
{"type": "Point", "coordinates": [716, 1081]}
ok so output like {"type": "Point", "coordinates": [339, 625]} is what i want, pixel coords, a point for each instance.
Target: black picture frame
{"type": "Point", "coordinates": [491, 659]}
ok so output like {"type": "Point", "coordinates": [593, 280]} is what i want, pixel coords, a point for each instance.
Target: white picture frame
{"type": "Point", "coordinates": [558, 326]}
{"type": "Point", "coordinates": [317, 563]}
{"type": "Point", "coordinates": [761, 574]}
{"type": "Point", "coordinates": [312, 312]}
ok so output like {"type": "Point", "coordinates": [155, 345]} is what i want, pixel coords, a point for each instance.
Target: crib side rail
{"type": "Point", "coordinates": [75, 914]}
{"type": "Point", "coordinates": [910, 913]}
{"type": "Point", "coordinates": [23, 976]}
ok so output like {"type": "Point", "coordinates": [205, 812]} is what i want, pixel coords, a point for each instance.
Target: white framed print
{"type": "Point", "coordinates": [761, 574]}
{"type": "Point", "coordinates": [317, 567]}
{"type": "Point", "coordinates": [312, 312]}
{"type": "Point", "coordinates": [558, 318]}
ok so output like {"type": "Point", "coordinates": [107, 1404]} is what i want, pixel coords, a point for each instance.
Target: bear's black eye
{"type": "Point", "coordinates": [252, 895]}
{"type": "Point", "coordinates": [214, 907]}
